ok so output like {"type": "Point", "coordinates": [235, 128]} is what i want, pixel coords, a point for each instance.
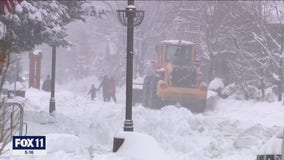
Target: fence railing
{"type": "Point", "coordinates": [12, 119]}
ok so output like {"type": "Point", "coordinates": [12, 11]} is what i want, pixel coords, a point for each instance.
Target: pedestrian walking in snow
{"type": "Point", "coordinates": [46, 86]}
{"type": "Point", "coordinates": [105, 84]}
{"type": "Point", "coordinates": [112, 89]}
{"type": "Point", "coordinates": [93, 92]}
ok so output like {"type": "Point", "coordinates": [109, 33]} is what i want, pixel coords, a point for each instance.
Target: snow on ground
{"type": "Point", "coordinates": [233, 130]}
{"type": "Point", "coordinates": [140, 146]}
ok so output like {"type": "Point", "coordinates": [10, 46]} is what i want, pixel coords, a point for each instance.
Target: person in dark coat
{"type": "Point", "coordinates": [46, 86]}
{"type": "Point", "coordinates": [93, 92]}
{"type": "Point", "coordinates": [112, 89]}
{"type": "Point", "coordinates": [105, 85]}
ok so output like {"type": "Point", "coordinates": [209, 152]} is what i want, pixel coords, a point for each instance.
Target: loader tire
{"type": "Point", "coordinates": [146, 91]}
{"type": "Point", "coordinates": [154, 100]}
{"type": "Point", "coordinates": [199, 107]}
{"type": "Point", "coordinates": [136, 96]}
{"type": "Point", "coordinates": [196, 107]}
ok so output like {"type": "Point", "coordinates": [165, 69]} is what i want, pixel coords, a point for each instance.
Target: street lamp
{"type": "Point", "coordinates": [130, 17]}
{"type": "Point", "coordinates": [52, 98]}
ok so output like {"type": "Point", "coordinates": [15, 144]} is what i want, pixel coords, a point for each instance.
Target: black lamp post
{"type": "Point", "coordinates": [52, 99]}
{"type": "Point", "coordinates": [129, 18]}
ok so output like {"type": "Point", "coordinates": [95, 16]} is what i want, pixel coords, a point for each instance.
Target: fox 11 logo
{"type": "Point", "coordinates": [29, 145]}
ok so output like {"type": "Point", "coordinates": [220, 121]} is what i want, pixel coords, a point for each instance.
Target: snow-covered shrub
{"type": "Point", "coordinates": [229, 89]}
{"type": "Point", "coordinates": [249, 92]}
{"type": "Point", "coordinates": [216, 84]}
{"type": "Point", "coordinates": [253, 92]}
{"type": "Point", "coordinates": [246, 92]}
{"type": "Point", "coordinates": [215, 88]}
{"type": "Point", "coordinates": [240, 91]}
{"type": "Point", "coordinates": [270, 94]}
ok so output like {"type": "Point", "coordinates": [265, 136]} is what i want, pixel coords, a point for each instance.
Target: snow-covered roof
{"type": "Point", "coordinates": [176, 42]}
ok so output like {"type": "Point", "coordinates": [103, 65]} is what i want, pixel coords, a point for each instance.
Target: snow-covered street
{"type": "Point", "coordinates": [84, 129]}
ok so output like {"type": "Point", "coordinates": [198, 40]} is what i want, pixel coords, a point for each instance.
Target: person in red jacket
{"type": "Point", "coordinates": [112, 89]}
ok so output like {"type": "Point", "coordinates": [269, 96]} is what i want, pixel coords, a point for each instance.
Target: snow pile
{"type": "Point", "coordinates": [138, 146]}
{"type": "Point", "coordinates": [216, 84]}
{"type": "Point", "coordinates": [211, 93]}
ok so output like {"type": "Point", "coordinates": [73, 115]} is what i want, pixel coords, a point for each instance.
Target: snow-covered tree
{"type": "Point", "coordinates": [248, 64]}
{"type": "Point", "coordinates": [257, 45]}
{"type": "Point", "coordinates": [206, 24]}
{"type": "Point", "coordinates": [30, 24]}
{"type": "Point", "coordinates": [237, 34]}
{"type": "Point", "coordinates": [271, 37]}
{"type": "Point", "coordinates": [155, 27]}
{"type": "Point", "coordinates": [37, 22]}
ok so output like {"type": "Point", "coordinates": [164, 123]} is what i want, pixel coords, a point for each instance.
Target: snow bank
{"type": "Point", "coordinates": [37, 100]}
{"type": "Point", "coordinates": [58, 147]}
{"type": "Point", "coordinates": [138, 146]}
{"type": "Point", "coordinates": [62, 142]}
{"type": "Point", "coordinates": [233, 130]}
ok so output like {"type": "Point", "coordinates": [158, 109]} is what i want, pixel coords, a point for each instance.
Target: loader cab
{"type": "Point", "coordinates": [178, 58]}
{"type": "Point", "coordinates": [175, 52]}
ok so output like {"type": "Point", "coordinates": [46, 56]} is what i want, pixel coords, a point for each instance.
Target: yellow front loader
{"type": "Point", "coordinates": [174, 77]}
